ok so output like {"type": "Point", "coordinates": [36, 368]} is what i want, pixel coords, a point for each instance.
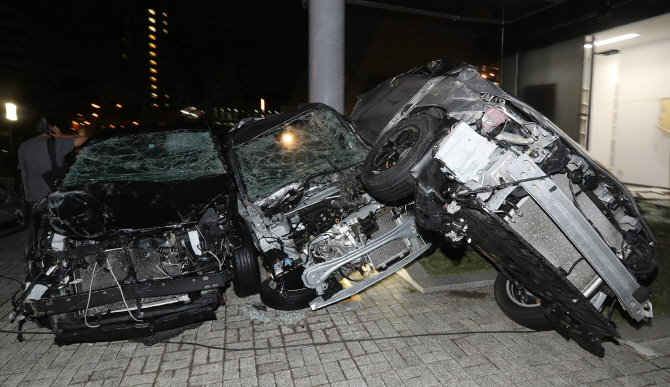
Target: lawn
{"type": "Point", "coordinates": [448, 261]}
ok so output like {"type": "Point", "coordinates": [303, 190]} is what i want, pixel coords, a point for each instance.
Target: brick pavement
{"type": "Point", "coordinates": [388, 309]}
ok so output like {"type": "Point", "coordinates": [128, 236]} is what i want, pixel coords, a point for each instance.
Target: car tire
{"type": "Point", "coordinates": [246, 272]}
{"type": "Point", "coordinates": [385, 171]}
{"type": "Point", "coordinates": [527, 314]}
{"type": "Point", "coordinates": [297, 298]}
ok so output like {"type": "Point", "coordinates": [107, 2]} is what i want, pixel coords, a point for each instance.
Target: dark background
{"type": "Point", "coordinates": [59, 57]}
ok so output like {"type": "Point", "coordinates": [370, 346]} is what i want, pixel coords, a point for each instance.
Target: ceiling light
{"type": "Point", "coordinates": [615, 39]}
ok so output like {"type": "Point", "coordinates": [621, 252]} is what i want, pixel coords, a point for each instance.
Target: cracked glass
{"type": "Point", "coordinates": [313, 143]}
{"type": "Point", "coordinates": [152, 157]}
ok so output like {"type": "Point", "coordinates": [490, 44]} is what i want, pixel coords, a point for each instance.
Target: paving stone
{"type": "Point", "coordinates": [388, 310]}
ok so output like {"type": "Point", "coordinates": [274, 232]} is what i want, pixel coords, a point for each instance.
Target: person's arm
{"type": "Point", "coordinates": [78, 140]}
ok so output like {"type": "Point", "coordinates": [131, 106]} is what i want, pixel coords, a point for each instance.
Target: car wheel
{"type": "Point", "coordinates": [521, 306]}
{"type": "Point", "coordinates": [246, 273]}
{"type": "Point", "coordinates": [296, 298]}
{"type": "Point", "coordinates": [385, 172]}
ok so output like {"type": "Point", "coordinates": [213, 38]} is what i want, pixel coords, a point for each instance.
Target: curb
{"type": "Point", "coordinates": [450, 282]}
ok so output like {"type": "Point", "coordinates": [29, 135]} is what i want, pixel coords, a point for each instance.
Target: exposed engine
{"type": "Point", "coordinates": [155, 273]}
{"type": "Point", "coordinates": [328, 236]}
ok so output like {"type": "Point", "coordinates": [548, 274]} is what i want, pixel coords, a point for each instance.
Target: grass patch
{"type": "Point", "coordinates": [448, 261]}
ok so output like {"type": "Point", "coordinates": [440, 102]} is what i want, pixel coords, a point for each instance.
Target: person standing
{"type": "Point", "coordinates": [35, 160]}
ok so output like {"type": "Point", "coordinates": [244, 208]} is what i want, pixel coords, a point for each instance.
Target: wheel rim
{"type": "Point", "coordinates": [395, 148]}
{"type": "Point", "coordinates": [521, 296]}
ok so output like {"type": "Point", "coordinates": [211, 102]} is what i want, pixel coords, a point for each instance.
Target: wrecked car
{"type": "Point", "coordinates": [135, 241]}
{"type": "Point", "coordinates": [479, 165]}
{"type": "Point", "coordinates": [322, 237]}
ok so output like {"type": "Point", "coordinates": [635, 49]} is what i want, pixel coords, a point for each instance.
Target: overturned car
{"type": "Point", "coordinates": [135, 240]}
{"type": "Point", "coordinates": [566, 236]}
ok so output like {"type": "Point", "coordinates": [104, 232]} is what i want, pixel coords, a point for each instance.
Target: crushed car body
{"type": "Point", "coordinates": [134, 241]}
{"type": "Point", "coordinates": [565, 234]}
{"type": "Point", "coordinates": [322, 237]}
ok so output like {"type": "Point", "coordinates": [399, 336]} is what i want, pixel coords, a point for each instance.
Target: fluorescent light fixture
{"type": "Point", "coordinates": [615, 39]}
{"type": "Point", "coordinates": [11, 111]}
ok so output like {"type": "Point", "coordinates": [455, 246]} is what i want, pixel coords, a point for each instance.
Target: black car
{"type": "Point", "coordinates": [136, 239]}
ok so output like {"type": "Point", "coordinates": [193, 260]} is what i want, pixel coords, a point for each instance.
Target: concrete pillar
{"type": "Point", "coordinates": [326, 53]}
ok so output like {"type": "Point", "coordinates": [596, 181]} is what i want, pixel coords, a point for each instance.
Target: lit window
{"type": "Point", "coordinates": [164, 22]}
{"type": "Point", "coordinates": [154, 105]}
{"type": "Point", "coordinates": [167, 96]}
{"type": "Point", "coordinates": [94, 114]}
{"type": "Point", "coordinates": [135, 123]}
{"type": "Point", "coordinates": [154, 95]}
{"type": "Point", "coordinates": [152, 20]}
{"type": "Point", "coordinates": [167, 105]}
{"type": "Point", "coordinates": [153, 79]}
{"type": "Point", "coordinates": [165, 30]}
{"type": "Point", "coordinates": [164, 14]}
{"type": "Point", "coordinates": [152, 28]}
{"type": "Point", "coordinates": [151, 11]}
{"type": "Point", "coordinates": [153, 62]}
{"type": "Point", "coordinates": [153, 70]}
{"type": "Point", "coordinates": [154, 87]}
{"type": "Point", "coordinates": [152, 37]}
{"type": "Point", "coordinates": [112, 127]}
{"type": "Point", "coordinates": [118, 105]}
{"type": "Point", "coordinates": [124, 56]}
{"type": "Point", "coordinates": [95, 106]}
{"type": "Point", "coordinates": [152, 53]}
{"type": "Point", "coordinates": [87, 123]}
{"type": "Point", "coordinates": [152, 45]}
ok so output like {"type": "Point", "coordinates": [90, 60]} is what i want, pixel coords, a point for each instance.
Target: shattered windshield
{"type": "Point", "coordinates": [306, 146]}
{"type": "Point", "coordinates": [152, 157]}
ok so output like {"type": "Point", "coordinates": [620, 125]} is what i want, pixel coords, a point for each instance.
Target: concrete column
{"type": "Point", "coordinates": [326, 52]}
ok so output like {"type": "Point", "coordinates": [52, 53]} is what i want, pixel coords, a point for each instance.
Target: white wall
{"type": "Point", "coordinates": [603, 107]}
{"type": "Point", "coordinates": [641, 150]}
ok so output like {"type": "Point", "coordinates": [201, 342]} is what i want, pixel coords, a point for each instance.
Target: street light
{"type": "Point", "coordinates": [11, 111]}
